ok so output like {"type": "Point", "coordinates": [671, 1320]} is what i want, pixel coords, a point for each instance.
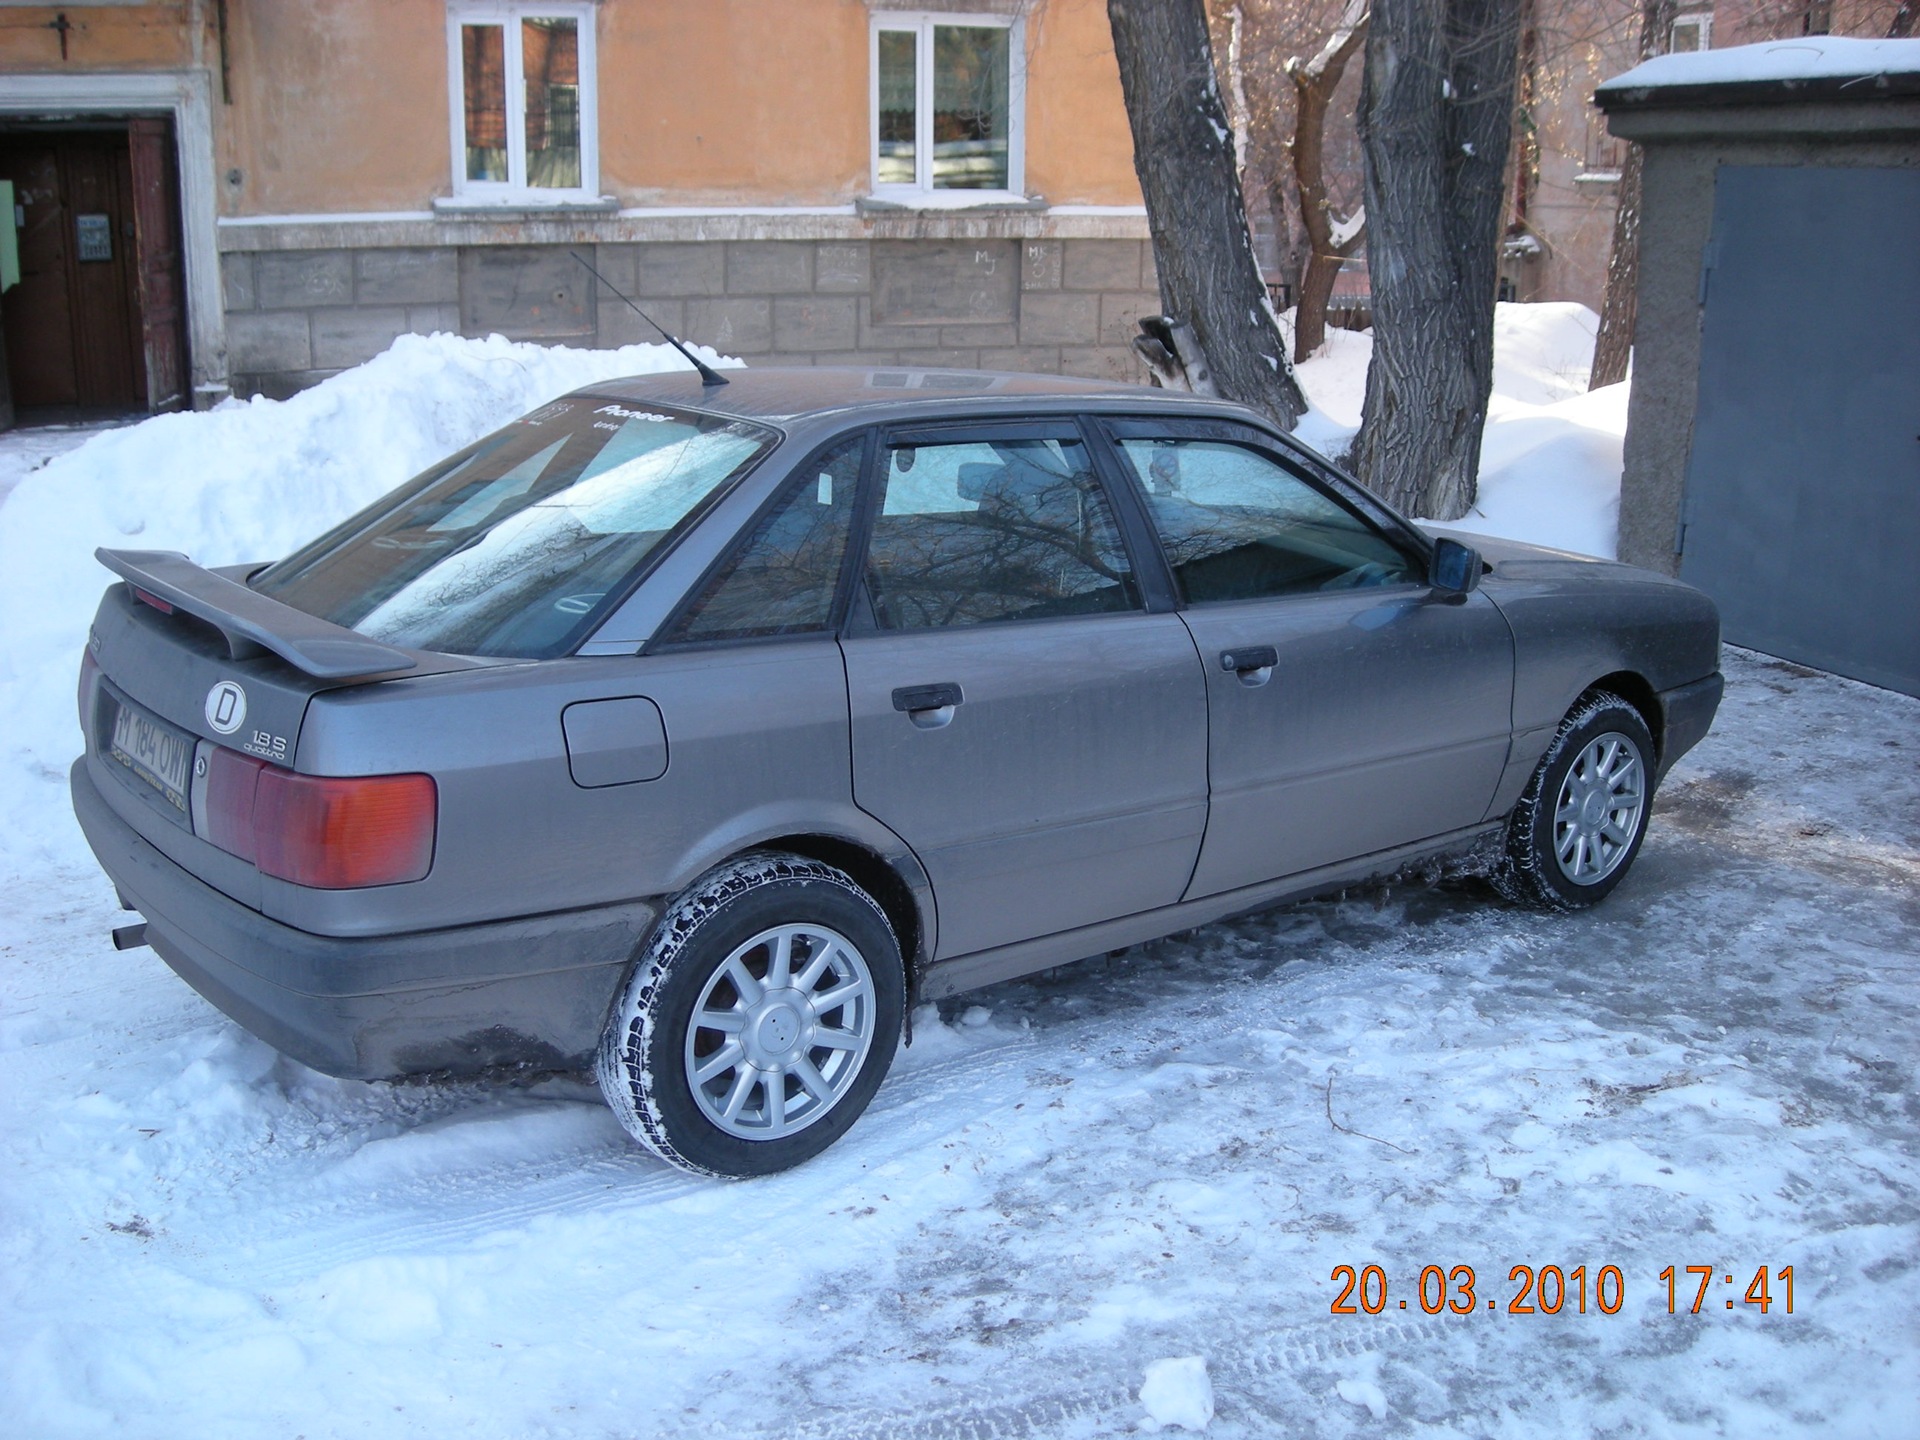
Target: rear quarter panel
{"type": "Point", "coordinates": [756, 747]}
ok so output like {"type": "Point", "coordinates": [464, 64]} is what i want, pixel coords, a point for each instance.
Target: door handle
{"type": "Point", "coordinates": [1249, 657]}
{"type": "Point", "coordinates": [1253, 664]}
{"type": "Point", "coordinates": [928, 706]}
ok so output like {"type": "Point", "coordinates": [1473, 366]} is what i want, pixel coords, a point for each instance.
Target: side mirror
{"type": "Point", "coordinates": [1455, 571]}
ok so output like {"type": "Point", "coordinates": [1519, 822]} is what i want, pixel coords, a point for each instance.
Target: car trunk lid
{"type": "Point", "coordinates": [186, 658]}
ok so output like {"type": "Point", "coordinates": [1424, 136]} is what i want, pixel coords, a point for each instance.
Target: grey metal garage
{"type": "Point", "coordinates": [1773, 444]}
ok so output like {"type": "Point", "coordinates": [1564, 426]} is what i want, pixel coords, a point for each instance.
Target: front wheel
{"type": "Point", "coordinates": [759, 1021]}
{"type": "Point", "coordinates": [1579, 824]}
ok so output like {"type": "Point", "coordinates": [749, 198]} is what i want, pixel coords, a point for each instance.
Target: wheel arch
{"type": "Point", "coordinates": [1638, 692]}
{"type": "Point", "coordinates": [901, 899]}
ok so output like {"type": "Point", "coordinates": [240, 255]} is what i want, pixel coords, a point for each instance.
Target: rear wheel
{"type": "Point", "coordinates": [1579, 824]}
{"type": "Point", "coordinates": [759, 1021]}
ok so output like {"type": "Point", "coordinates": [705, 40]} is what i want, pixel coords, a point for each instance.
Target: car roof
{"type": "Point", "coordinates": [901, 391]}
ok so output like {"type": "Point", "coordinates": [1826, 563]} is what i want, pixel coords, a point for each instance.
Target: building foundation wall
{"type": "Point", "coordinates": [1052, 305]}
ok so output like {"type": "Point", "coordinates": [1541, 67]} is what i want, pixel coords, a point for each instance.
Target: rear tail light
{"type": "Point", "coordinates": [232, 779]}
{"type": "Point", "coordinates": [341, 834]}
{"type": "Point", "coordinates": [322, 831]}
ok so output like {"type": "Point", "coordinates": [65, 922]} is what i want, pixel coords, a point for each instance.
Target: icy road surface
{"type": "Point", "coordinates": [1070, 1178]}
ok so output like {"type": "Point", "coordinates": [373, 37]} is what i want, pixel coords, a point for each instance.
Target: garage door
{"type": "Point", "coordinates": [1802, 509]}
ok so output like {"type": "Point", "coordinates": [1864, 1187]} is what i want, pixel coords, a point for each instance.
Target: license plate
{"type": "Point", "coordinates": [154, 751]}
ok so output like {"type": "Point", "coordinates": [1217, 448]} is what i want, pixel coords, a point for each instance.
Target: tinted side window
{"type": "Point", "coordinates": [994, 530]}
{"type": "Point", "coordinates": [782, 581]}
{"type": "Point", "coordinates": [1238, 526]}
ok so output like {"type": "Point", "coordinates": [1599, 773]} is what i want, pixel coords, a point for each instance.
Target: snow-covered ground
{"type": "Point", "coordinates": [1066, 1183]}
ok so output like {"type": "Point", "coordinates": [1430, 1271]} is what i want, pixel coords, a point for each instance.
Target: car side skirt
{"type": "Point", "coordinates": [1009, 962]}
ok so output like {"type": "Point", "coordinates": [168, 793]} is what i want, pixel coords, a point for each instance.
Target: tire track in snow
{"type": "Point", "coordinates": [1239, 1379]}
{"type": "Point", "coordinates": [437, 1213]}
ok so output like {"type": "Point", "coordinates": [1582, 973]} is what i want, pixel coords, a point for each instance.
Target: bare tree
{"type": "Point", "coordinates": [1436, 120]}
{"type": "Point", "coordinates": [1183, 153]}
{"type": "Point", "coordinates": [1613, 345]}
{"type": "Point", "coordinates": [1329, 240]}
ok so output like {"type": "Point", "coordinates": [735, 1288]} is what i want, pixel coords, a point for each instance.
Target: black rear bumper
{"type": "Point", "coordinates": [532, 992]}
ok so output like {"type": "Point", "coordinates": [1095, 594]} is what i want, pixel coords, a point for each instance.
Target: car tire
{"type": "Point", "coordinates": [720, 1073]}
{"type": "Point", "coordinates": [1578, 826]}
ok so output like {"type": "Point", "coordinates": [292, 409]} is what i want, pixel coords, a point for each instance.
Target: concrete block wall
{"type": "Point", "coordinates": [1068, 306]}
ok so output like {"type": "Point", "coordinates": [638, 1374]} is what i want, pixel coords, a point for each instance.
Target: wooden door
{"type": "Point", "coordinates": [73, 322]}
{"type": "Point", "coordinates": [156, 222]}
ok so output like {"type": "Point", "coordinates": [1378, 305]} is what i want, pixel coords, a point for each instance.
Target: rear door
{"type": "Point", "coordinates": [1021, 717]}
{"type": "Point", "coordinates": [1349, 712]}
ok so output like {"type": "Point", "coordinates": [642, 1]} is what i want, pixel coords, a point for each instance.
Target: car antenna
{"type": "Point", "coordinates": [708, 375]}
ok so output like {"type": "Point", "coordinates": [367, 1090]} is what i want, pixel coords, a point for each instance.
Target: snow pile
{"type": "Point", "coordinates": [249, 480]}
{"type": "Point", "coordinates": [1542, 353]}
{"type": "Point", "coordinates": [1178, 1392]}
{"type": "Point", "coordinates": [24, 451]}
{"type": "Point", "coordinates": [1550, 474]}
{"type": "Point", "coordinates": [1550, 457]}
{"type": "Point", "coordinates": [1805, 57]}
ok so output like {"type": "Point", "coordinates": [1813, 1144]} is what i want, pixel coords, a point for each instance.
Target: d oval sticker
{"type": "Point", "coordinates": [226, 707]}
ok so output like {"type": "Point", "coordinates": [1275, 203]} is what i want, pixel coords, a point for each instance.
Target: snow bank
{"type": "Point", "coordinates": [1550, 457]}
{"type": "Point", "coordinates": [249, 480]}
{"type": "Point", "coordinates": [24, 451]}
{"type": "Point", "coordinates": [1805, 57]}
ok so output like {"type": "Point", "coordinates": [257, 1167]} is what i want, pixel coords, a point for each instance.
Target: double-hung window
{"type": "Point", "coordinates": [522, 95]}
{"type": "Point", "coordinates": [948, 97]}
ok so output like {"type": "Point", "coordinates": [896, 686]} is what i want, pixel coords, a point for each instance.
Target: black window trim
{"type": "Point", "coordinates": [1158, 585]}
{"type": "Point", "coordinates": [737, 543]}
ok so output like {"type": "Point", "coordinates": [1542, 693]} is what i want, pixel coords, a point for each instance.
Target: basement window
{"type": "Point", "coordinates": [521, 83]}
{"type": "Point", "coordinates": [948, 101]}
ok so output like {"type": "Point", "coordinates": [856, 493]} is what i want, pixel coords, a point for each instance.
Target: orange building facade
{"type": "Point", "coordinates": [791, 181]}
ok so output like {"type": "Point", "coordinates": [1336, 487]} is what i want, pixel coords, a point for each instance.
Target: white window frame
{"type": "Point", "coordinates": [1700, 22]}
{"type": "Point", "coordinates": [508, 15]}
{"type": "Point", "coordinates": [922, 23]}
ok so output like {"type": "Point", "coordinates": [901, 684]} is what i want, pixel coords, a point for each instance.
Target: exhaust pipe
{"type": "Point", "coordinates": [130, 937]}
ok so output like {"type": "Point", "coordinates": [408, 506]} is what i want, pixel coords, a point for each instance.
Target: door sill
{"type": "Point", "coordinates": [1009, 962]}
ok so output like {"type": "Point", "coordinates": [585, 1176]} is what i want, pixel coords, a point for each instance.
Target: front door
{"type": "Point", "coordinates": [1019, 718]}
{"type": "Point", "coordinates": [73, 334]}
{"type": "Point", "coordinates": [1349, 711]}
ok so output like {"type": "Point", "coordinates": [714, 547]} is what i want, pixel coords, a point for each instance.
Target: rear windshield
{"type": "Point", "coordinates": [518, 545]}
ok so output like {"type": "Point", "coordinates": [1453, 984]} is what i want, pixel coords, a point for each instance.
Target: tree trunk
{"type": "Point", "coordinates": [1436, 119]}
{"type": "Point", "coordinates": [1183, 153]}
{"type": "Point", "coordinates": [1613, 345]}
{"type": "Point", "coordinates": [1327, 243]}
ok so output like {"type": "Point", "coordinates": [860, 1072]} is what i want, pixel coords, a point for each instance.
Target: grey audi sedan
{"type": "Point", "coordinates": [695, 732]}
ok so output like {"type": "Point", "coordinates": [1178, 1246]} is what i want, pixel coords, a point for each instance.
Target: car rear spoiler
{"type": "Point", "coordinates": [251, 622]}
